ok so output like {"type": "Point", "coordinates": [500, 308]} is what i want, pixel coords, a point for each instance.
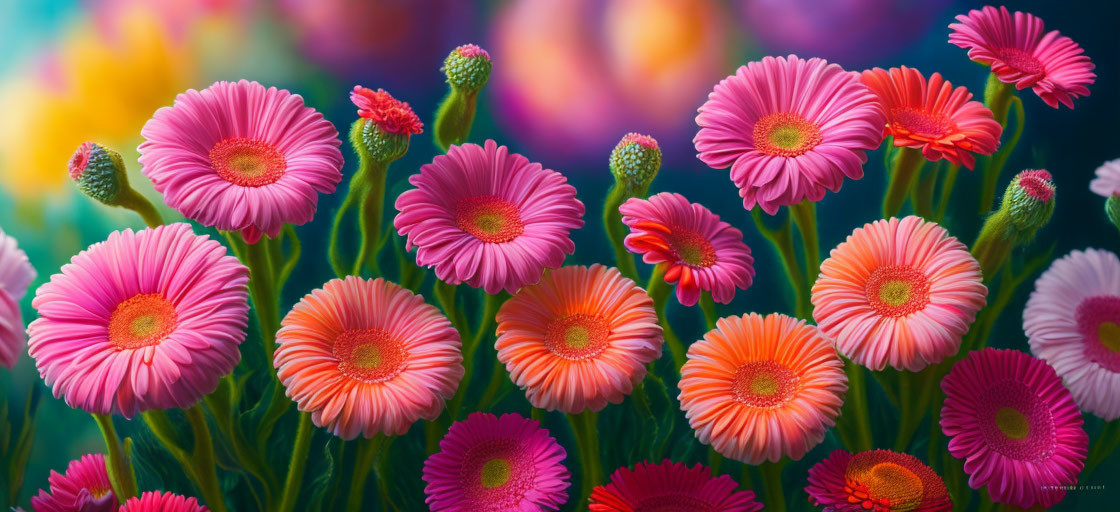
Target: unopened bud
{"type": "Point", "coordinates": [1029, 201]}
{"type": "Point", "coordinates": [99, 172]}
{"type": "Point", "coordinates": [467, 68]}
{"type": "Point", "coordinates": [635, 161]}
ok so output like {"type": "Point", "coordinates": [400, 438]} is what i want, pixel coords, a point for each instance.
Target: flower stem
{"type": "Point", "coordinates": [334, 252]}
{"type": "Point", "coordinates": [907, 165]}
{"type": "Point", "coordinates": [298, 463]}
{"type": "Point", "coordinates": [999, 97]}
{"type": "Point", "coordinates": [132, 200]}
{"type": "Point", "coordinates": [708, 307]}
{"type": "Point", "coordinates": [370, 212]}
{"type": "Point", "coordinates": [855, 408]}
{"type": "Point", "coordinates": [263, 294]}
{"type": "Point", "coordinates": [782, 240]}
{"type": "Point", "coordinates": [121, 475]}
{"type": "Point", "coordinates": [203, 462]}
{"type": "Point", "coordinates": [1103, 446]}
{"type": "Point", "coordinates": [363, 463]}
{"type": "Point", "coordinates": [454, 118]}
{"type": "Point", "coordinates": [947, 181]}
{"type": "Point", "coordinates": [616, 230]}
{"type": "Point", "coordinates": [470, 349]}
{"type": "Point", "coordinates": [772, 484]}
{"type": "Point", "coordinates": [804, 215]}
{"type": "Point", "coordinates": [992, 247]}
{"type": "Point", "coordinates": [660, 291]}
{"type": "Point", "coordinates": [587, 438]}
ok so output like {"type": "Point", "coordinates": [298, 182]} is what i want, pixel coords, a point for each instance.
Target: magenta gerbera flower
{"type": "Point", "coordinates": [701, 252]}
{"type": "Point", "coordinates": [789, 129]}
{"type": "Point", "coordinates": [877, 480]}
{"type": "Point", "coordinates": [84, 487]}
{"type": "Point", "coordinates": [16, 273]}
{"type": "Point", "coordinates": [1015, 425]}
{"type": "Point", "coordinates": [157, 501]}
{"type": "Point", "coordinates": [671, 486]}
{"type": "Point", "coordinates": [1022, 53]}
{"type": "Point", "coordinates": [240, 157]}
{"type": "Point", "coordinates": [488, 463]}
{"type": "Point", "coordinates": [1073, 322]}
{"type": "Point", "coordinates": [489, 218]}
{"type": "Point", "coordinates": [144, 320]}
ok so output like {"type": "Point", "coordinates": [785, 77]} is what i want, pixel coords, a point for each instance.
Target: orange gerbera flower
{"type": "Point", "coordinates": [579, 338]}
{"type": "Point", "coordinates": [759, 388]}
{"type": "Point", "coordinates": [933, 116]}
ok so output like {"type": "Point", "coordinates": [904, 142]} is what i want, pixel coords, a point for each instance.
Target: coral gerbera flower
{"type": "Point", "coordinates": [367, 357]}
{"type": "Point", "coordinates": [1073, 322]}
{"type": "Point", "coordinates": [488, 463]}
{"type": "Point", "coordinates": [144, 320]}
{"type": "Point", "coordinates": [671, 486]}
{"type": "Point", "coordinates": [84, 487]}
{"type": "Point", "coordinates": [898, 292]}
{"type": "Point", "coordinates": [1107, 182]}
{"type": "Point", "coordinates": [933, 116]}
{"type": "Point", "coordinates": [489, 218]}
{"type": "Point", "coordinates": [579, 338]}
{"type": "Point", "coordinates": [700, 251]}
{"type": "Point", "coordinates": [240, 157]}
{"type": "Point", "coordinates": [1020, 52]}
{"type": "Point", "coordinates": [789, 129]}
{"type": "Point", "coordinates": [387, 112]}
{"type": "Point", "coordinates": [16, 273]}
{"type": "Point", "coordinates": [879, 480]}
{"type": "Point", "coordinates": [156, 501]}
{"type": "Point", "coordinates": [760, 388]}
{"type": "Point", "coordinates": [1015, 425]}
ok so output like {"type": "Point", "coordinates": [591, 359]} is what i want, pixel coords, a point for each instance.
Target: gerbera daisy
{"type": "Point", "coordinates": [144, 320]}
{"type": "Point", "coordinates": [898, 292]}
{"type": "Point", "coordinates": [1020, 52]}
{"type": "Point", "coordinates": [156, 501]}
{"type": "Point", "coordinates": [1107, 182]}
{"type": "Point", "coordinates": [84, 487]}
{"type": "Point", "coordinates": [1015, 425]}
{"type": "Point", "coordinates": [240, 157]}
{"type": "Point", "coordinates": [879, 480]}
{"type": "Point", "coordinates": [789, 129]}
{"type": "Point", "coordinates": [488, 463]}
{"type": "Point", "coordinates": [933, 116]}
{"type": "Point", "coordinates": [760, 388]}
{"type": "Point", "coordinates": [489, 218]}
{"type": "Point", "coordinates": [16, 273]}
{"type": "Point", "coordinates": [388, 113]}
{"type": "Point", "coordinates": [700, 251]}
{"type": "Point", "coordinates": [1073, 322]}
{"type": "Point", "coordinates": [367, 357]}
{"type": "Point", "coordinates": [579, 338]}
{"type": "Point", "coordinates": [671, 486]}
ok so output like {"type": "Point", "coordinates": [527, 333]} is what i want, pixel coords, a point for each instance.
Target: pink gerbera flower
{"type": "Point", "coordinates": [489, 218]}
{"type": "Point", "coordinates": [387, 112]}
{"type": "Point", "coordinates": [1015, 425]}
{"type": "Point", "coordinates": [16, 273]}
{"type": "Point", "coordinates": [700, 251]}
{"type": "Point", "coordinates": [240, 157]}
{"type": "Point", "coordinates": [878, 480]}
{"type": "Point", "coordinates": [1073, 322]}
{"type": "Point", "coordinates": [144, 320]}
{"type": "Point", "coordinates": [367, 357]}
{"type": "Point", "coordinates": [1020, 52]}
{"type": "Point", "coordinates": [671, 486]}
{"type": "Point", "coordinates": [156, 501]}
{"type": "Point", "coordinates": [84, 487]}
{"type": "Point", "coordinates": [488, 463]}
{"type": "Point", "coordinates": [898, 292]}
{"type": "Point", "coordinates": [789, 129]}
{"type": "Point", "coordinates": [1107, 182]}
{"type": "Point", "coordinates": [579, 338]}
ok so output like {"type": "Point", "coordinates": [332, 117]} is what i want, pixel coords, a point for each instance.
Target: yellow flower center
{"type": "Point", "coordinates": [143, 320]}
{"type": "Point", "coordinates": [1012, 423]}
{"type": "Point", "coordinates": [495, 473]}
{"type": "Point", "coordinates": [1109, 334]}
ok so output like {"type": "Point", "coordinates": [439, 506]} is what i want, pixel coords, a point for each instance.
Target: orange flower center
{"type": "Point", "coordinates": [247, 162]}
{"type": "Point", "coordinates": [99, 492]}
{"type": "Point", "coordinates": [369, 355]}
{"type": "Point", "coordinates": [896, 291]}
{"type": "Point", "coordinates": [495, 472]}
{"type": "Point", "coordinates": [1020, 60]}
{"type": "Point", "coordinates": [785, 134]}
{"type": "Point", "coordinates": [763, 384]}
{"type": "Point", "coordinates": [882, 486]}
{"type": "Point", "coordinates": [920, 124]}
{"type": "Point", "coordinates": [692, 248]}
{"type": "Point", "coordinates": [143, 320]}
{"type": "Point", "coordinates": [577, 337]}
{"type": "Point", "coordinates": [488, 218]}
{"type": "Point", "coordinates": [1012, 423]}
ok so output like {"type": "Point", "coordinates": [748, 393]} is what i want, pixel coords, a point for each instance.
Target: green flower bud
{"type": "Point", "coordinates": [1112, 209]}
{"type": "Point", "coordinates": [377, 143]}
{"type": "Point", "coordinates": [99, 172]}
{"type": "Point", "coordinates": [635, 161]}
{"type": "Point", "coordinates": [1029, 201]}
{"type": "Point", "coordinates": [467, 68]}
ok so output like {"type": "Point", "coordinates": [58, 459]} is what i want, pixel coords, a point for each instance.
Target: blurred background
{"type": "Point", "coordinates": [570, 78]}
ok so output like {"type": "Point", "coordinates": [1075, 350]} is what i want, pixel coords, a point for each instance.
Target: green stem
{"type": "Point", "coordinates": [922, 196]}
{"type": "Point", "coordinates": [454, 118]}
{"type": "Point", "coordinates": [616, 230]}
{"type": "Point", "coordinates": [293, 256]}
{"type": "Point", "coordinates": [948, 180]}
{"type": "Point", "coordinates": [370, 214]}
{"type": "Point", "coordinates": [203, 461]}
{"type": "Point", "coordinates": [708, 307]}
{"type": "Point", "coordinates": [856, 412]}
{"type": "Point", "coordinates": [119, 462]}
{"type": "Point", "coordinates": [999, 97]}
{"type": "Point", "coordinates": [907, 165]}
{"type": "Point", "coordinates": [363, 463]}
{"type": "Point", "coordinates": [222, 410]}
{"type": "Point", "coordinates": [470, 350]}
{"type": "Point", "coordinates": [772, 485]}
{"type": "Point", "coordinates": [660, 291]}
{"type": "Point", "coordinates": [587, 438]}
{"type": "Point", "coordinates": [298, 463]}
{"type": "Point", "coordinates": [804, 215]}
{"type": "Point", "coordinates": [1105, 443]}
{"type": "Point", "coordinates": [782, 240]}
{"type": "Point", "coordinates": [132, 200]}
{"type": "Point", "coordinates": [913, 402]}
{"type": "Point", "coordinates": [493, 387]}
{"type": "Point", "coordinates": [992, 247]}
{"type": "Point", "coordinates": [334, 251]}
{"type": "Point", "coordinates": [263, 294]}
